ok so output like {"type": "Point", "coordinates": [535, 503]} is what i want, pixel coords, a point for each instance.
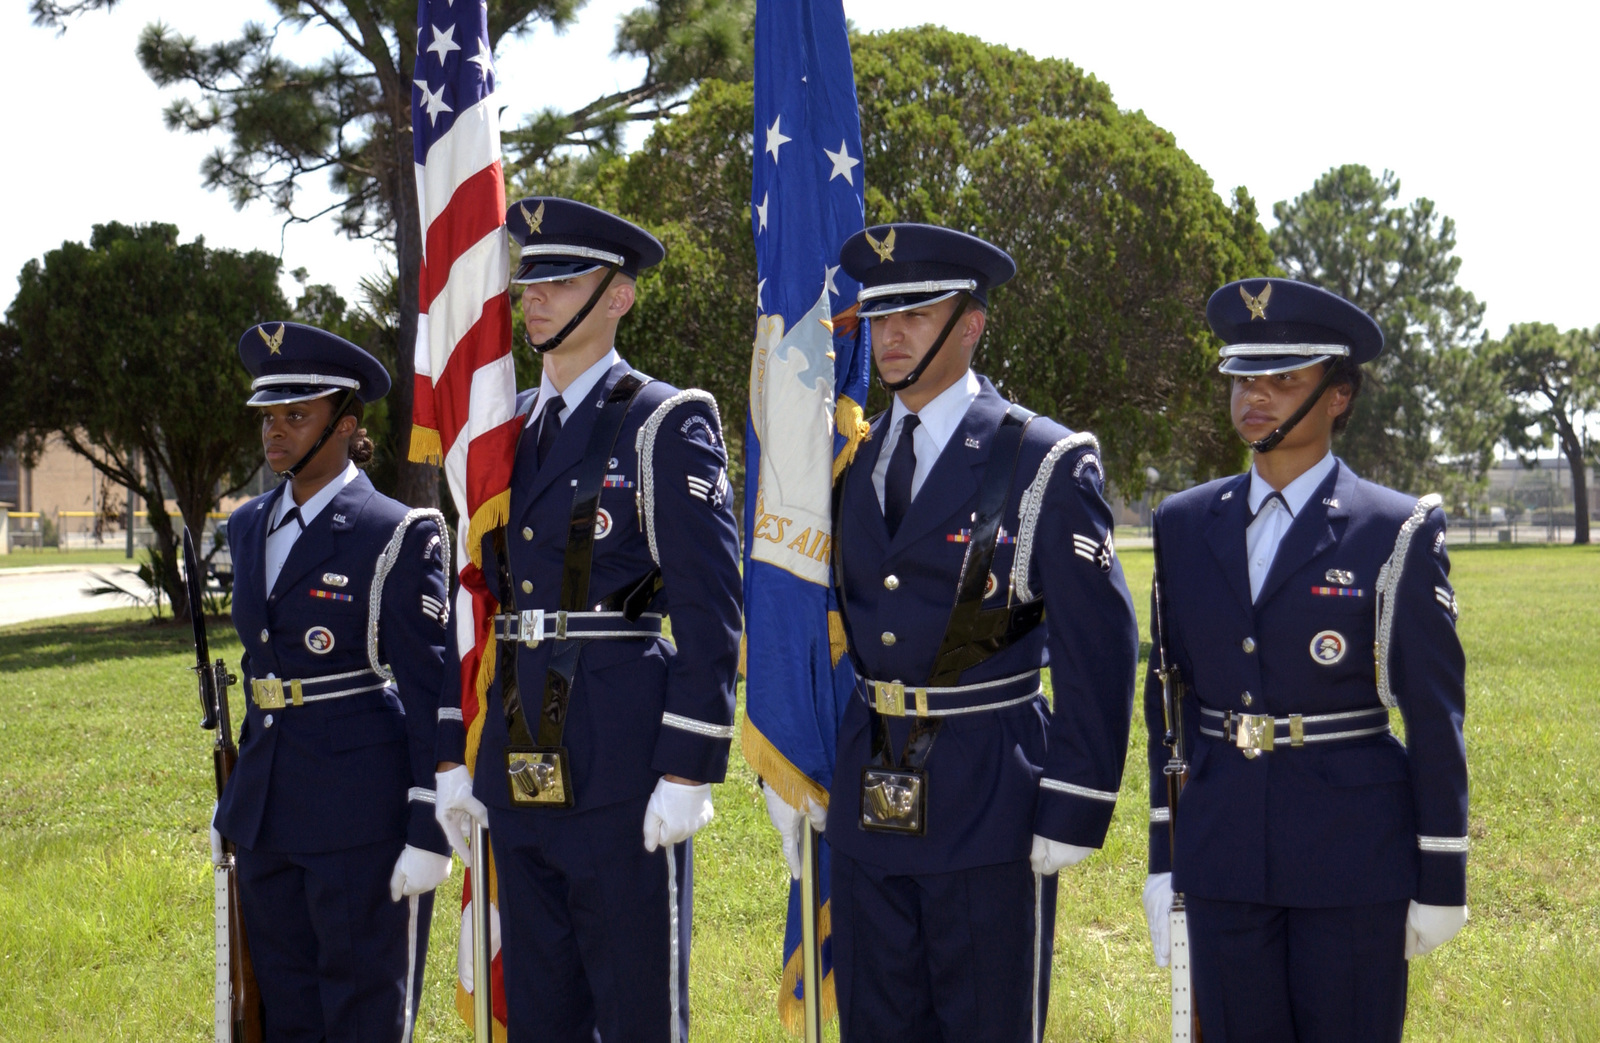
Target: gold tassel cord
{"type": "Point", "coordinates": [849, 420]}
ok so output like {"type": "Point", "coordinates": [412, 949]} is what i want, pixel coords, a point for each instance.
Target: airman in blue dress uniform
{"type": "Point", "coordinates": [1316, 854]}
{"type": "Point", "coordinates": [595, 776]}
{"type": "Point", "coordinates": [960, 791]}
{"type": "Point", "coordinates": [340, 600]}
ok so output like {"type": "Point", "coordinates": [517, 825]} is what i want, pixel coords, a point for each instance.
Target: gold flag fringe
{"type": "Point", "coordinates": [490, 515]}
{"type": "Point", "coordinates": [426, 447]}
{"type": "Point", "coordinates": [790, 783]}
{"type": "Point", "coordinates": [791, 1010]}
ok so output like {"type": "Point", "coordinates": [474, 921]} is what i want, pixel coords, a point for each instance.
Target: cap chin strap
{"type": "Point", "coordinates": [1269, 443]}
{"type": "Point", "coordinates": [327, 432]}
{"type": "Point", "coordinates": [583, 313]}
{"type": "Point", "coordinates": [938, 342]}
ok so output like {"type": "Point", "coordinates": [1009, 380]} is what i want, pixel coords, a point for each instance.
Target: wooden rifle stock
{"type": "Point", "coordinates": [238, 1014]}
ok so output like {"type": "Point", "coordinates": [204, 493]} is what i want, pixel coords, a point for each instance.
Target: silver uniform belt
{"type": "Point", "coordinates": [894, 699]}
{"type": "Point", "coordinates": [1256, 733]}
{"type": "Point", "coordinates": [274, 693]}
{"type": "Point", "coordinates": [536, 625]}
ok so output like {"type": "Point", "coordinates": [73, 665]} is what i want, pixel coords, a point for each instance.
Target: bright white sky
{"type": "Point", "coordinates": [1491, 110]}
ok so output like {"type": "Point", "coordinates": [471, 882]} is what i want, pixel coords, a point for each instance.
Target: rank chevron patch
{"type": "Point", "coordinates": [712, 492]}
{"type": "Point", "coordinates": [1102, 553]}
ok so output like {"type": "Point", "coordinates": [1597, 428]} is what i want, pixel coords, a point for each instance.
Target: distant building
{"type": "Point", "coordinates": [82, 506]}
{"type": "Point", "coordinates": [1535, 488]}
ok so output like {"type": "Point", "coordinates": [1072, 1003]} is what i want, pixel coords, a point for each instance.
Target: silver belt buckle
{"type": "Point", "coordinates": [530, 627]}
{"type": "Point", "coordinates": [1253, 733]}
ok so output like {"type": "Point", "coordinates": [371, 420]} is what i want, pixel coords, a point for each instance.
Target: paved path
{"type": "Point", "coordinates": [58, 590]}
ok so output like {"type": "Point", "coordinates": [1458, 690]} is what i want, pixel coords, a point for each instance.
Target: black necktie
{"type": "Point", "coordinates": [897, 483]}
{"type": "Point", "coordinates": [550, 426]}
{"type": "Point", "coordinates": [292, 516]}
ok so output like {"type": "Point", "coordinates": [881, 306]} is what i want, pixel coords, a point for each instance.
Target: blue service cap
{"type": "Point", "coordinates": [563, 239]}
{"type": "Point", "coordinates": [295, 363]}
{"type": "Point", "coordinates": [1278, 325]}
{"type": "Point", "coordinates": [902, 266]}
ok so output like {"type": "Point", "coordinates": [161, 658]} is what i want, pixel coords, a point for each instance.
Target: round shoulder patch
{"type": "Point", "coordinates": [319, 640]}
{"type": "Point", "coordinates": [1328, 647]}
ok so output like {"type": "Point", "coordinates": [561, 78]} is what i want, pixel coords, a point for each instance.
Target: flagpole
{"type": "Point", "coordinates": [482, 981]}
{"type": "Point", "coordinates": [810, 914]}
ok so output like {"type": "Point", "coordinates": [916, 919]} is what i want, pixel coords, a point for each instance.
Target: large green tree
{"type": "Point", "coordinates": [1553, 382]}
{"type": "Point", "coordinates": [1118, 234]}
{"type": "Point", "coordinates": [1349, 234]}
{"type": "Point", "coordinates": [124, 349]}
{"type": "Point", "coordinates": [346, 117]}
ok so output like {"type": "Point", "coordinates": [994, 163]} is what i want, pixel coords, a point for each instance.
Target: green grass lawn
{"type": "Point", "coordinates": [105, 883]}
{"type": "Point", "coordinates": [27, 557]}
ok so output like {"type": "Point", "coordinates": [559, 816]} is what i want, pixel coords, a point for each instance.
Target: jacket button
{"type": "Point", "coordinates": [265, 636]}
{"type": "Point", "coordinates": [1247, 699]}
{"type": "Point", "coordinates": [888, 638]}
{"type": "Point", "coordinates": [891, 582]}
{"type": "Point", "coordinates": [1248, 644]}
{"type": "Point", "coordinates": [267, 721]}
{"type": "Point", "coordinates": [527, 586]}
{"type": "Point", "coordinates": [527, 533]}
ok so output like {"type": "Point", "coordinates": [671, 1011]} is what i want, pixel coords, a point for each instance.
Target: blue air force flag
{"type": "Point", "coordinates": [808, 380]}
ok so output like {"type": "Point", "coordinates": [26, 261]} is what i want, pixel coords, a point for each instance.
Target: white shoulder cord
{"type": "Point", "coordinates": [1032, 505]}
{"type": "Point", "coordinates": [644, 444]}
{"type": "Point", "coordinates": [386, 564]}
{"type": "Point", "coordinates": [1389, 587]}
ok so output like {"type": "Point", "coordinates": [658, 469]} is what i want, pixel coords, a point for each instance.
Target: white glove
{"type": "Point", "coordinates": [1051, 856]}
{"type": "Point", "coordinates": [216, 839]}
{"type": "Point", "coordinates": [788, 820]}
{"type": "Point", "coordinates": [1158, 915]}
{"type": "Point", "coordinates": [675, 813]}
{"type": "Point", "coordinates": [456, 809]}
{"type": "Point", "coordinates": [1430, 926]}
{"type": "Point", "coordinates": [417, 871]}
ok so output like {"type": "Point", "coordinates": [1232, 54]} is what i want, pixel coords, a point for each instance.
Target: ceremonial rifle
{"type": "Point", "coordinates": [1185, 1015]}
{"type": "Point", "coordinates": [238, 1000]}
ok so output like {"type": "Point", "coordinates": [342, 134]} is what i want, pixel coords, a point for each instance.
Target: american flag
{"type": "Point", "coordinates": [464, 413]}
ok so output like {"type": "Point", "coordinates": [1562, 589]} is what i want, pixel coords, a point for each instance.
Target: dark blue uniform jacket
{"type": "Point", "coordinates": [640, 707]}
{"type": "Point", "coordinates": [1350, 822]}
{"type": "Point", "coordinates": [345, 772]}
{"type": "Point", "coordinates": [994, 778]}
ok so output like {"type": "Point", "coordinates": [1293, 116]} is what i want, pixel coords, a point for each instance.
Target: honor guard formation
{"type": "Point", "coordinates": [1300, 854]}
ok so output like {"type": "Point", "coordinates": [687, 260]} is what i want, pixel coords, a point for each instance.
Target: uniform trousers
{"type": "Point", "coordinates": [587, 926]}
{"type": "Point", "coordinates": [335, 957]}
{"type": "Point", "coordinates": [959, 956]}
{"type": "Point", "coordinates": [1271, 974]}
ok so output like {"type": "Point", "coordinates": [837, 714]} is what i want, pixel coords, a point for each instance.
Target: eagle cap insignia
{"type": "Point", "coordinates": [1258, 303]}
{"type": "Point", "coordinates": [884, 247]}
{"type": "Point", "coordinates": [535, 217]}
{"type": "Point", "coordinates": [275, 341]}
